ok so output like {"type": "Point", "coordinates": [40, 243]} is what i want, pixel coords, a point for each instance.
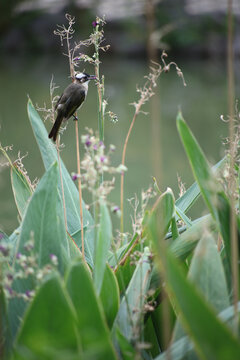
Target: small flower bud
{"type": "Point", "coordinates": [112, 148]}
{"type": "Point", "coordinates": [116, 210]}
{"type": "Point", "coordinates": [121, 169]}
{"type": "Point", "coordinates": [54, 259]}
{"type": "Point", "coordinates": [74, 176]}
{"type": "Point", "coordinates": [4, 250]}
{"type": "Point", "coordinates": [101, 144]}
{"type": "Point", "coordinates": [94, 24]}
{"type": "Point", "coordinates": [103, 159]}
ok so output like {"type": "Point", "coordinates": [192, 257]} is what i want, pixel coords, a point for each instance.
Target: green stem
{"type": "Point", "coordinates": [99, 98]}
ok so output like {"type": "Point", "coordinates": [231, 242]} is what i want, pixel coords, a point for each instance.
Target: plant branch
{"type": "Point", "coordinates": [232, 181]}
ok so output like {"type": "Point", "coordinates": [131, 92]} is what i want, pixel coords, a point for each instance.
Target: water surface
{"type": "Point", "coordinates": [202, 102]}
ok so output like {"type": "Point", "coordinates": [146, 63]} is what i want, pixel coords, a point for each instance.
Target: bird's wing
{"type": "Point", "coordinates": [73, 102]}
{"type": "Point", "coordinates": [58, 102]}
{"type": "Point", "coordinates": [65, 95]}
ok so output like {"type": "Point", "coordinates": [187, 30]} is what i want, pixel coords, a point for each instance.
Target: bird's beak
{"type": "Point", "coordinates": [92, 77]}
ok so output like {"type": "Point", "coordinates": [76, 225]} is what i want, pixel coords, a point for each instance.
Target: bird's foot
{"type": "Point", "coordinates": [75, 118]}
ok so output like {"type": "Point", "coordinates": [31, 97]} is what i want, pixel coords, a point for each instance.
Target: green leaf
{"type": "Point", "coordinates": [44, 221]}
{"type": "Point", "coordinates": [162, 216]}
{"type": "Point", "coordinates": [214, 197]}
{"type": "Point", "coordinates": [151, 338]}
{"type": "Point", "coordinates": [49, 156]}
{"type": "Point", "coordinates": [104, 239]}
{"type": "Point", "coordinates": [95, 337]}
{"type": "Point", "coordinates": [109, 295]}
{"type": "Point", "coordinates": [4, 237]}
{"type": "Point", "coordinates": [184, 217]}
{"type": "Point", "coordinates": [212, 339]}
{"type": "Point", "coordinates": [127, 350]}
{"type": "Point", "coordinates": [5, 334]}
{"type": "Point", "coordinates": [182, 349]}
{"type": "Point", "coordinates": [174, 228]}
{"type": "Point", "coordinates": [206, 271]}
{"type": "Point", "coordinates": [166, 210]}
{"type": "Point", "coordinates": [48, 329]}
{"type": "Point", "coordinates": [22, 190]}
{"type": "Point", "coordinates": [179, 350]}
{"type": "Point", "coordinates": [188, 240]}
{"type": "Point", "coordinates": [116, 256]}
{"type": "Point", "coordinates": [186, 201]}
{"type": "Point", "coordinates": [124, 273]}
{"type": "Point", "coordinates": [200, 167]}
{"type": "Point", "coordinates": [130, 312]}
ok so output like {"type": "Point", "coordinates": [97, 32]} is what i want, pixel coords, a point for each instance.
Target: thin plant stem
{"type": "Point", "coordinates": [123, 161]}
{"type": "Point", "coordinates": [232, 181]}
{"type": "Point", "coordinates": [62, 188]}
{"type": "Point", "coordinates": [71, 67]}
{"type": "Point", "coordinates": [155, 114]}
{"type": "Point", "coordinates": [97, 74]}
{"type": "Point", "coordinates": [79, 186]}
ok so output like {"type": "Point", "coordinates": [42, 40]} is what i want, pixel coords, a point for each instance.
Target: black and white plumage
{"type": "Point", "coordinates": [71, 99]}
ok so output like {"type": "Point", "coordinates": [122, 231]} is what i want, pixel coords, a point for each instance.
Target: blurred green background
{"type": "Point", "coordinates": [194, 35]}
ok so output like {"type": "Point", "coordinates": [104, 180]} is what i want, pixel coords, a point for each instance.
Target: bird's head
{"type": "Point", "coordinates": [84, 78]}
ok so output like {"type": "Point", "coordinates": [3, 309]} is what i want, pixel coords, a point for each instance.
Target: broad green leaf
{"type": "Point", "coordinates": [22, 190]}
{"type": "Point", "coordinates": [185, 202]}
{"type": "Point", "coordinates": [174, 228]}
{"type": "Point", "coordinates": [5, 334]}
{"type": "Point", "coordinates": [48, 329]}
{"type": "Point", "coordinates": [125, 347]}
{"type": "Point", "coordinates": [44, 222]}
{"type": "Point", "coordinates": [109, 295]}
{"type": "Point", "coordinates": [214, 197]}
{"type": "Point", "coordinates": [199, 164]}
{"type": "Point", "coordinates": [182, 348]}
{"type": "Point", "coordinates": [49, 156]}
{"type": "Point", "coordinates": [212, 339]}
{"type": "Point", "coordinates": [116, 256]}
{"type": "Point", "coordinates": [125, 272]}
{"type": "Point", "coordinates": [94, 335]}
{"type": "Point", "coordinates": [125, 269]}
{"type": "Point", "coordinates": [224, 212]}
{"type": "Point", "coordinates": [206, 271]}
{"type": "Point", "coordinates": [151, 338]}
{"type": "Point", "coordinates": [4, 237]}
{"type": "Point", "coordinates": [104, 239]}
{"type": "Point", "coordinates": [130, 312]}
{"type": "Point", "coordinates": [179, 350]}
{"type": "Point", "coordinates": [161, 218]}
{"type": "Point", "coordinates": [182, 216]}
{"type": "Point", "coordinates": [188, 240]}
{"type": "Point", "coordinates": [165, 210]}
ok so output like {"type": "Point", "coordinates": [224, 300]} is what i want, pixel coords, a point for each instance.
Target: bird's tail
{"type": "Point", "coordinates": [56, 126]}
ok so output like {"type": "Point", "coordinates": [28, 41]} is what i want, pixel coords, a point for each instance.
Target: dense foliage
{"type": "Point", "coordinates": [164, 294]}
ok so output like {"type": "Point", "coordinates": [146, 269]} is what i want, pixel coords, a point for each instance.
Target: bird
{"type": "Point", "coordinates": [70, 100]}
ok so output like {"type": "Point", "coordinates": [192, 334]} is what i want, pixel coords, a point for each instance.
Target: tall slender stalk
{"type": "Point", "coordinates": [68, 36]}
{"type": "Point", "coordinates": [232, 181]}
{"type": "Point", "coordinates": [155, 105]}
{"type": "Point", "coordinates": [99, 86]}
{"type": "Point", "coordinates": [79, 186]}
{"type": "Point", "coordinates": [62, 188]}
{"type": "Point", "coordinates": [146, 92]}
{"type": "Point", "coordinates": [137, 110]}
